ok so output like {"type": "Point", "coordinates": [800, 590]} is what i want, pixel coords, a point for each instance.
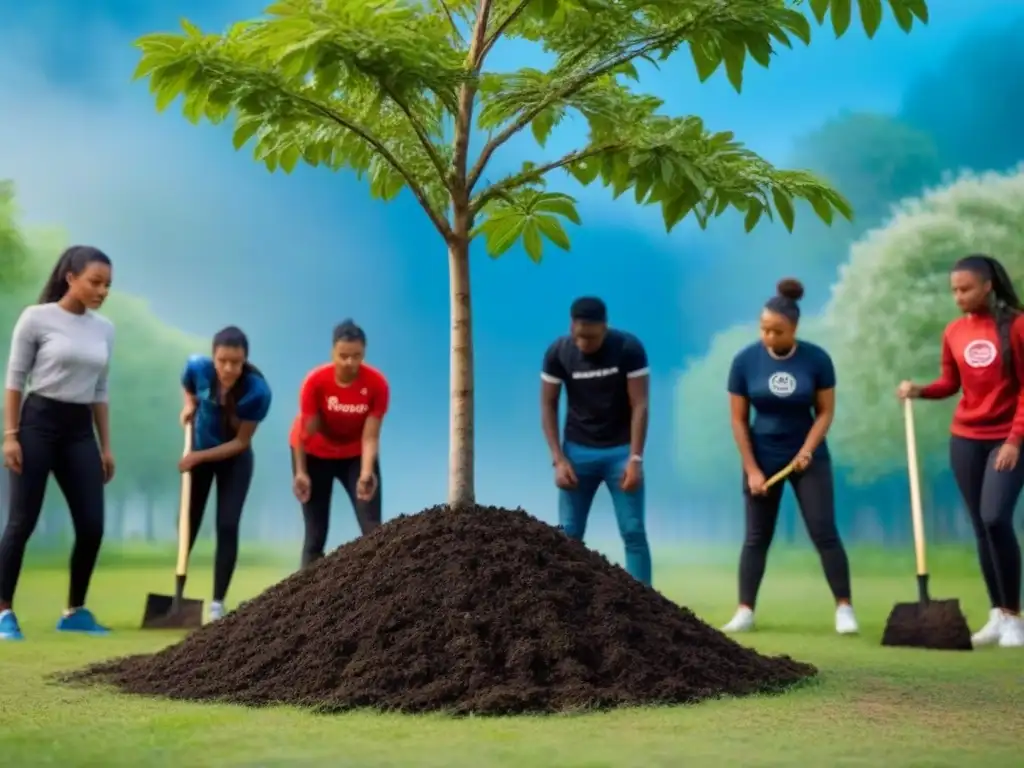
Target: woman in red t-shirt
{"type": "Point", "coordinates": [983, 356]}
{"type": "Point", "coordinates": [336, 436]}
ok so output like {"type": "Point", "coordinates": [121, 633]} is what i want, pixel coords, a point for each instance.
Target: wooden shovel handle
{"type": "Point", "coordinates": [184, 520]}
{"type": "Point", "coordinates": [916, 511]}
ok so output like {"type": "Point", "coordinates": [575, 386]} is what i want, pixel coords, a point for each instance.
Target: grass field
{"type": "Point", "coordinates": [871, 706]}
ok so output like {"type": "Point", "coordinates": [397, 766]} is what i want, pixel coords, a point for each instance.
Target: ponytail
{"type": "Point", "coordinates": [73, 261]}
{"type": "Point", "coordinates": [1005, 305]}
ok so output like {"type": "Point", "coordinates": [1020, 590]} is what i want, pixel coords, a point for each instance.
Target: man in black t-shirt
{"type": "Point", "coordinates": [606, 378]}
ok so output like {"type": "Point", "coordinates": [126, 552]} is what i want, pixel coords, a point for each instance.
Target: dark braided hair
{"type": "Point", "coordinates": [234, 337]}
{"type": "Point", "coordinates": [1003, 301]}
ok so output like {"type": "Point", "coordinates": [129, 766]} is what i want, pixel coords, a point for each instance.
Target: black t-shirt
{"type": "Point", "coordinates": [595, 387]}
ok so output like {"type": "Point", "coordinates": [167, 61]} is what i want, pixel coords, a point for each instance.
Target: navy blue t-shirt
{"type": "Point", "coordinates": [199, 378]}
{"type": "Point", "coordinates": [782, 395]}
{"type": "Point", "coordinates": [599, 412]}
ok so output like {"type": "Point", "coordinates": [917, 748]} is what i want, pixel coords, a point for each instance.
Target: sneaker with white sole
{"type": "Point", "coordinates": [992, 631]}
{"type": "Point", "coordinates": [846, 621]}
{"type": "Point", "coordinates": [1012, 634]}
{"type": "Point", "coordinates": [9, 629]}
{"type": "Point", "coordinates": [742, 621]}
{"type": "Point", "coordinates": [217, 611]}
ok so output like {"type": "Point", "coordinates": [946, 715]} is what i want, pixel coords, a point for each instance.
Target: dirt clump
{"type": "Point", "coordinates": [483, 611]}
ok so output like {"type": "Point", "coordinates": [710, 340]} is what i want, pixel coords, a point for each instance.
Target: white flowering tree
{"type": "Point", "coordinates": [890, 306]}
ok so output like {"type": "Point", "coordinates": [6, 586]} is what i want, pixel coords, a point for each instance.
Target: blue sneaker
{"type": "Point", "coordinates": [81, 620]}
{"type": "Point", "coordinates": [9, 629]}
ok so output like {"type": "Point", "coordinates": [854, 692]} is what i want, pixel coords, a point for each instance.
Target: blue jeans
{"type": "Point", "coordinates": [594, 466]}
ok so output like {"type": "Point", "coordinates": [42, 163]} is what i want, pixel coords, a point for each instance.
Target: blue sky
{"type": "Point", "coordinates": [211, 238]}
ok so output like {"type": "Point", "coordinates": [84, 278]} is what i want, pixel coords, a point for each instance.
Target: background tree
{"type": "Point", "coordinates": [890, 307]}
{"type": "Point", "coordinates": [145, 394]}
{"type": "Point", "coordinates": [395, 89]}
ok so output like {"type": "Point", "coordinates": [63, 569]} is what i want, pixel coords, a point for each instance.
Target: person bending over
{"type": "Point", "coordinates": [790, 385]}
{"type": "Point", "coordinates": [55, 409]}
{"type": "Point", "coordinates": [226, 398]}
{"type": "Point", "coordinates": [606, 377]}
{"type": "Point", "coordinates": [983, 357]}
{"type": "Point", "coordinates": [336, 436]}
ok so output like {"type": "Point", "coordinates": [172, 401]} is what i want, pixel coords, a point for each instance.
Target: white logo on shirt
{"type": "Point", "coordinates": [980, 353]}
{"type": "Point", "coordinates": [782, 384]}
{"type": "Point", "coordinates": [598, 373]}
{"type": "Point", "coordinates": [334, 405]}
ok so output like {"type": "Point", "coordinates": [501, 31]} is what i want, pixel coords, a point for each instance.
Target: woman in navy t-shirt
{"type": "Point", "coordinates": [226, 398]}
{"type": "Point", "coordinates": [790, 386]}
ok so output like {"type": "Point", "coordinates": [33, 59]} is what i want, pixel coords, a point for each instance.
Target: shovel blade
{"type": "Point", "coordinates": [938, 625]}
{"type": "Point", "coordinates": [162, 613]}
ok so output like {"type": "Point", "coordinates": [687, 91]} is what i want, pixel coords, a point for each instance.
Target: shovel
{"type": "Point", "coordinates": [935, 624]}
{"type": "Point", "coordinates": [177, 612]}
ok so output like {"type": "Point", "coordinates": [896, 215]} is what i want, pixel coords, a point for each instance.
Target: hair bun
{"type": "Point", "coordinates": [790, 288]}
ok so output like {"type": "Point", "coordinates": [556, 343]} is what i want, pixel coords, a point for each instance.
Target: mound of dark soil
{"type": "Point", "coordinates": [486, 611]}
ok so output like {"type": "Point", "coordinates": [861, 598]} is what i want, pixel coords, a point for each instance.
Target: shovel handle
{"type": "Point", "coordinates": [184, 526]}
{"type": "Point", "coordinates": [916, 512]}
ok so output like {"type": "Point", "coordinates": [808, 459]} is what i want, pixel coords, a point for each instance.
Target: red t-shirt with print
{"type": "Point", "coordinates": [992, 404]}
{"type": "Point", "coordinates": [342, 410]}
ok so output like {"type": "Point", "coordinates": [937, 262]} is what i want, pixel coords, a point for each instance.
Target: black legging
{"type": "Point", "coordinates": [991, 498]}
{"type": "Point", "coordinates": [317, 511]}
{"type": "Point", "coordinates": [55, 437]}
{"type": "Point", "coordinates": [233, 478]}
{"type": "Point", "coordinates": [815, 496]}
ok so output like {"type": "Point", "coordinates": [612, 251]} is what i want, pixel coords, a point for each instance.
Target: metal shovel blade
{"type": "Point", "coordinates": [937, 624]}
{"type": "Point", "coordinates": [162, 613]}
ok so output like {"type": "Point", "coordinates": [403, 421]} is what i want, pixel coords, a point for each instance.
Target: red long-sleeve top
{"type": "Point", "coordinates": [992, 404]}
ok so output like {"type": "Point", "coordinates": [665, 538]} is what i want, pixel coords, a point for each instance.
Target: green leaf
{"type": "Point", "coordinates": [784, 205]}
{"type": "Point", "coordinates": [706, 62]}
{"type": "Point", "coordinates": [532, 241]}
{"type": "Point", "coordinates": [552, 229]}
{"type": "Point", "coordinates": [585, 171]}
{"type": "Point", "coordinates": [919, 8]}
{"type": "Point", "coordinates": [289, 158]}
{"type": "Point", "coordinates": [754, 212]}
{"type": "Point", "coordinates": [871, 16]}
{"type": "Point", "coordinates": [245, 129]}
{"type": "Point", "coordinates": [734, 56]}
{"type": "Point", "coordinates": [902, 14]}
{"type": "Point", "coordinates": [675, 209]}
{"type": "Point", "coordinates": [821, 207]}
{"type": "Point", "coordinates": [190, 29]}
{"type": "Point", "coordinates": [543, 124]}
{"type": "Point", "coordinates": [558, 204]}
{"type": "Point", "coordinates": [504, 236]}
{"type": "Point", "coordinates": [820, 8]}
{"type": "Point", "coordinates": [760, 47]}
{"type": "Point", "coordinates": [841, 10]}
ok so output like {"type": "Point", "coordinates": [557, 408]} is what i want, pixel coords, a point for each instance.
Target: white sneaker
{"type": "Point", "coordinates": [991, 632]}
{"type": "Point", "coordinates": [216, 610]}
{"type": "Point", "coordinates": [1012, 635]}
{"type": "Point", "coordinates": [742, 621]}
{"type": "Point", "coordinates": [846, 621]}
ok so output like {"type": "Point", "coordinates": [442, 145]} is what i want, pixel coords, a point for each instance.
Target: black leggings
{"type": "Point", "coordinates": [55, 437]}
{"type": "Point", "coordinates": [816, 498]}
{"type": "Point", "coordinates": [317, 511]}
{"type": "Point", "coordinates": [233, 478]}
{"type": "Point", "coordinates": [990, 498]}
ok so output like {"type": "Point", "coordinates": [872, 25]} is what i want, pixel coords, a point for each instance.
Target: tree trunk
{"type": "Point", "coordinates": [461, 490]}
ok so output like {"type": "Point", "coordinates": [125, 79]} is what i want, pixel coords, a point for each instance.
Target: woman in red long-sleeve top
{"type": "Point", "coordinates": [983, 356]}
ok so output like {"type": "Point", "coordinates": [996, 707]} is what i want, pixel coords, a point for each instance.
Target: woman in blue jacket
{"type": "Point", "coordinates": [226, 397]}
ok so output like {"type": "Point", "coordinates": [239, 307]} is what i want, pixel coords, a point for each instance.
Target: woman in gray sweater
{"type": "Point", "coordinates": [55, 408]}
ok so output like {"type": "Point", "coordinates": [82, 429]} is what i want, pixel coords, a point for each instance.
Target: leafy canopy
{"type": "Point", "coordinates": [389, 88]}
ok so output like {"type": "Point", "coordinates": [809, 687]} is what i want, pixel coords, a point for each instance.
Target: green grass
{"type": "Point", "coordinates": [871, 706]}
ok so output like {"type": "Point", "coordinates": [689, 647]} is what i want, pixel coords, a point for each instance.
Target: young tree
{"type": "Point", "coordinates": [395, 88]}
{"type": "Point", "coordinates": [891, 304]}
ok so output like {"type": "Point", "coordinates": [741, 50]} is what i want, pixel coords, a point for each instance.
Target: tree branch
{"type": "Point", "coordinates": [451, 20]}
{"type": "Point", "coordinates": [500, 30]}
{"type": "Point", "coordinates": [420, 132]}
{"type": "Point", "coordinates": [535, 174]}
{"type": "Point", "coordinates": [572, 86]}
{"type": "Point", "coordinates": [438, 221]}
{"type": "Point", "coordinates": [464, 116]}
